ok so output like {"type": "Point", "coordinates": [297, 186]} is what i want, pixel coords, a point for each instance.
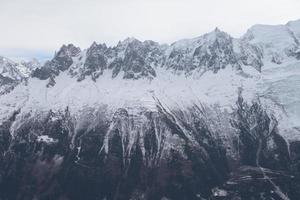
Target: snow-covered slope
{"type": "Point", "coordinates": [280, 85]}
{"type": "Point", "coordinates": [174, 90]}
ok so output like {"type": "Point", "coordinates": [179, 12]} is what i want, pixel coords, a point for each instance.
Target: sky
{"type": "Point", "coordinates": [37, 28]}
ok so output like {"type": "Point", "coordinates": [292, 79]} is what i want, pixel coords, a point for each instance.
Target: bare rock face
{"type": "Point", "coordinates": [137, 59]}
{"type": "Point", "coordinates": [212, 51]}
{"type": "Point", "coordinates": [95, 62]}
{"type": "Point", "coordinates": [61, 62]}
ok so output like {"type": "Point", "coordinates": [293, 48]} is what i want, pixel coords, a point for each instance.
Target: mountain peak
{"type": "Point", "coordinates": [96, 46]}
{"type": "Point", "coordinates": [68, 50]}
{"type": "Point", "coordinates": [217, 30]}
{"type": "Point", "coordinates": [129, 40]}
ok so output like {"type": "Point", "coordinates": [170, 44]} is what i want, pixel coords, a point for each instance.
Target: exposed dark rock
{"type": "Point", "coordinates": [159, 157]}
{"type": "Point", "coordinates": [62, 61]}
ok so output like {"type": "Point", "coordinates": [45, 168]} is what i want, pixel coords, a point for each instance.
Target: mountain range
{"type": "Point", "coordinates": [212, 117]}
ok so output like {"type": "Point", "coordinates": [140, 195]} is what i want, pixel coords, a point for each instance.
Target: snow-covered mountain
{"type": "Point", "coordinates": [12, 73]}
{"type": "Point", "coordinates": [210, 68]}
{"type": "Point", "coordinates": [213, 117]}
{"type": "Point", "coordinates": [278, 42]}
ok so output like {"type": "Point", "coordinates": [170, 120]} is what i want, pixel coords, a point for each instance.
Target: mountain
{"type": "Point", "coordinates": [212, 117]}
{"type": "Point", "coordinates": [12, 73]}
{"type": "Point", "coordinates": [277, 41]}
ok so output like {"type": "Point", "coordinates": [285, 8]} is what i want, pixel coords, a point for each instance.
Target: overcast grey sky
{"type": "Point", "coordinates": [36, 28]}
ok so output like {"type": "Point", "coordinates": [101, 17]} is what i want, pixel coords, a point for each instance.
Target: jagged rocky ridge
{"type": "Point", "coordinates": [69, 132]}
{"type": "Point", "coordinates": [134, 59]}
{"type": "Point", "coordinates": [213, 51]}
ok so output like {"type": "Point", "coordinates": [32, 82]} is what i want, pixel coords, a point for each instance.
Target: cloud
{"type": "Point", "coordinates": [45, 25]}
